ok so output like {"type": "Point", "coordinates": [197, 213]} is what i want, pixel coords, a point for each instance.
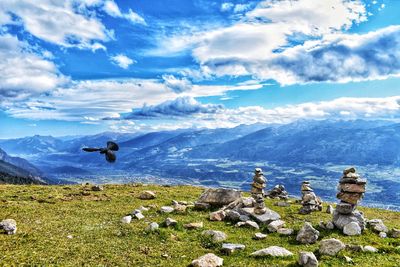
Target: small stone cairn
{"type": "Point", "coordinates": [309, 200]}
{"type": "Point", "coordinates": [278, 192]}
{"type": "Point", "coordinates": [257, 191]}
{"type": "Point", "coordinates": [351, 189]}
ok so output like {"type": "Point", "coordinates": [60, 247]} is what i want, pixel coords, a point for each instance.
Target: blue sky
{"type": "Point", "coordinates": [83, 67]}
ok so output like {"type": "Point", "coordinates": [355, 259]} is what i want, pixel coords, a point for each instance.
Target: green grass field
{"type": "Point", "coordinates": [46, 215]}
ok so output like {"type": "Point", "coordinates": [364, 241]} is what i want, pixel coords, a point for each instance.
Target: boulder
{"type": "Point", "coordinates": [208, 260]}
{"type": "Point", "coordinates": [307, 259]}
{"type": "Point", "coordinates": [331, 246]}
{"type": "Point", "coordinates": [9, 226]}
{"type": "Point", "coordinates": [145, 195]}
{"type": "Point", "coordinates": [216, 236]}
{"type": "Point", "coordinates": [218, 215]}
{"type": "Point", "coordinates": [275, 225]}
{"type": "Point", "coordinates": [273, 251]}
{"type": "Point", "coordinates": [340, 220]}
{"type": "Point", "coordinates": [229, 248]}
{"type": "Point", "coordinates": [232, 215]}
{"type": "Point", "coordinates": [352, 228]}
{"type": "Point", "coordinates": [307, 234]}
{"type": "Point", "coordinates": [219, 196]}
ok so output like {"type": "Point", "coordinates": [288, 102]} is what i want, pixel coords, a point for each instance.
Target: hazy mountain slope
{"type": "Point", "coordinates": [10, 174]}
{"type": "Point", "coordinates": [20, 162]}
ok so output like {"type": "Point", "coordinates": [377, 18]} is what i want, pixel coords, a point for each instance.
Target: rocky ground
{"type": "Point", "coordinates": [119, 225]}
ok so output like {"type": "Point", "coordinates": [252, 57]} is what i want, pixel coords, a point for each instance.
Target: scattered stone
{"type": "Point", "coordinates": [275, 225]}
{"type": "Point", "coordinates": [341, 220]}
{"type": "Point", "coordinates": [139, 215]}
{"type": "Point", "coordinates": [257, 191]}
{"type": "Point", "coordinates": [282, 204]}
{"type": "Point", "coordinates": [307, 259]}
{"type": "Point", "coordinates": [179, 208]}
{"type": "Point", "coordinates": [395, 233]}
{"type": "Point", "coordinates": [382, 235]}
{"type": "Point", "coordinates": [194, 225]}
{"type": "Point", "coordinates": [97, 188]}
{"type": "Point", "coordinates": [285, 231]}
{"type": "Point", "coordinates": [217, 236]}
{"type": "Point", "coordinates": [355, 248]}
{"type": "Point", "coordinates": [309, 200]}
{"type": "Point", "coordinates": [307, 234]}
{"type": "Point", "coordinates": [378, 226]}
{"type": "Point", "coordinates": [369, 249]}
{"type": "Point", "coordinates": [9, 226]}
{"type": "Point", "coordinates": [331, 246]}
{"type": "Point", "coordinates": [259, 236]}
{"type": "Point", "coordinates": [152, 227]}
{"type": "Point", "coordinates": [352, 228]}
{"type": "Point", "coordinates": [145, 195]}
{"type": "Point", "coordinates": [229, 248]}
{"type": "Point", "coordinates": [273, 251]}
{"type": "Point", "coordinates": [166, 209]}
{"type": "Point", "coordinates": [143, 209]}
{"type": "Point", "coordinates": [218, 215]}
{"type": "Point", "coordinates": [348, 259]}
{"type": "Point", "coordinates": [126, 219]}
{"type": "Point", "coordinates": [232, 215]}
{"type": "Point", "coordinates": [279, 192]}
{"type": "Point", "coordinates": [330, 226]}
{"type": "Point", "coordinates": [265, 218]}
{"type": "Point", "coordinates": [248, 201]}
{"type": "Point", "coordinates": [170, 222]}
{"type": "Point", "coordinates": [329, 209]}
{"type": "Point", "coordinates": [250, 224]}
{"type": "Point", "coordinates": [208, 260]}
{"type": "Point", "coordinates": [218, 197]}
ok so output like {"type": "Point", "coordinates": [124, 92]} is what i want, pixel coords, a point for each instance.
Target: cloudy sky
{"type": "Point", "coordinates": [87, 66]}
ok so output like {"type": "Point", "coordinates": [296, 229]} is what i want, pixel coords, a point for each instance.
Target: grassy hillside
{"type": "Point", "coordinates": [46, 215]}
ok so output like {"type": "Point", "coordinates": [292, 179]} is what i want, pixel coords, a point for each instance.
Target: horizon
{"type": "Point", "coordinates": [109, 65]}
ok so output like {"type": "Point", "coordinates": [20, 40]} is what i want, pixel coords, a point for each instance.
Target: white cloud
{"type": "Point", "coordinates": [122, 61]}
{"type": "Point", "coordinates": [177, 85]}
{"type": "Point", "coordinates": [23, 72]}
{"type": "Point", "coordinates": [226, 6]}
{"type": "Point", "coordinates": [134, 17]}
{"type": "Point", "coordinates": [112, 9]}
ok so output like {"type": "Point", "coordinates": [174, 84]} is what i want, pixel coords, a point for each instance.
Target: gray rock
{"type": "Point", "coordinates": [329, 209]}
{"type": "Point", "coordinates": [395, 233]}
{"type": "Point", "coordinates": [232, 215]}
{"type": "Point", "coordinates": [331, 246]}
{"type": "Point", "coordinates": [218, 215]}
{"type": "Point", "coordinates": [307, 234]}
{"type": "Point", "coordinates": [229, 248]}
{"type": "Point", "coordinates": [216, 236]}
{"type": "Point", "coordinates": [208, 260]}
{"type": "Point", "coordinates": [329, 225]}
{"type": "Point", "coordinates": [170, 222]}
{"type": "Point", "coordinates": [145, 195]}
{"type": "Point", "coordinates": [166, 209]}
{"type": "Point", "coordinates": [248, 201]}
{"type": "Point", "coordinates": [249, 224]}
{"type": "Point", "coordinates": [152, 227]}
{"type": "Point", "coordinates": [352, 228]}
{"type": "Point", "coordinates": [275, 225]}
{"type": "Point", "coordinates": [244, 218]}
{"type": "Point", "coordinates": [179, 208]}
{"type": "Point", "coordinates": [340, 220]}
{"type": "Point", "coordinates": [273, 251]}
{"type": "Point", "coordinates": [202, 206]}
{"type": "Point", "coordinates": [126, 219]}
{"type": "Point", "coordinates": [9, 226]}
{"type": "Point", "coordinates": [369, 249]}
{"type": "Point", "coordinates": [285, 231]}
{"type": "Point", "coordinates": [378, 226]}
{"type": "Point", "coordinates": [282, 204]}
{"type": "Point", "coordinates": [219, 196]}
{"type": "Point", "coordinates": [194, 225]}
{"type": "Point", "coordinates": [265, 218]}
{"type": "Point", "coordinates": [307, 259]}
{"type": "Point", "coordinates": [382, 235]}
{"type": "Point", "coordinates": [355, 248]}
{"type": "Point", "coordinates": [345, 208]}
{"type": "Point", "coordinates": [259, 236]}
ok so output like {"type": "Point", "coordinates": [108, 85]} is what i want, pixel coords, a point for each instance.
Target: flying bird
{"type": "Point", "coordinates": [108, 151]}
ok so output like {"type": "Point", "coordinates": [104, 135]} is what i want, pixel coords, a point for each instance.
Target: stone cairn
{"type": "Point", "coordinates": [309, 200]}
{"type": "Point", "coordinates": [278, 192]}
{"type": "Point", "coordinates": [257, 191]}
{"type": "Point", "coordinates": [351, 189]}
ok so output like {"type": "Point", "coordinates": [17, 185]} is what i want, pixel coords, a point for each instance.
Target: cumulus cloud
{"type": "Point", "coordinates": [179, 107]}
{"type": "Point", "coordinates": [112, 9]}
{"type": "Point", "coordinates": [122, 61]}
{"type": "Point", "coordinates": [24, 72]}
{"type": "Point", "coordinates": [177, 85]}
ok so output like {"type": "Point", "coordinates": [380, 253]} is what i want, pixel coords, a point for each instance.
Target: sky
{"type": "Point", "coordinates": [78, 67]}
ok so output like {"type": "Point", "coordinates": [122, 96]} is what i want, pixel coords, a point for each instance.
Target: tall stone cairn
{"type": "Point", "coordinates": [351, 189]}
{"type": "Point", "coordinates": [309, 201]}
{"type": "Point", "coordinates": [257, 191]}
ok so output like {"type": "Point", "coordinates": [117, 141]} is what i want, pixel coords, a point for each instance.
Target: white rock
{"type": "Point", "coordinates": [369, 249]}
{"type": "Point", "coordinates": [170, 222]}
{"type": "Point", "coordinates": [208, 260]}
{"type": "Point", "coordinates": [275, 225]}
{"type": "Point", "coordinates": [126, 219]}
{"type": "Point", "coordinates": [139, 216]}
{"type": "Point", "coordinates": [307, 234]}
{"type": "Point", "coordinates": [152, 227]}
{"type": "Point", "coordinates": [145, 195]}
{"type": "Point", "coordinates": [259, 236]}
{"type": "Point", "coordinates": [273, 251]}
{"type": "Point", "coordinates": [166, 209]}
{"type": "Point", "coordinates": [250, 224]}
{"type": "Point", "coordinates": [285, 231]}
{"type": "Point", "coordinates": [352, 228]}
{"type": "Point", "coordinates": [331, 246]}
{"type": "Point", "coordinates": [70, 236]}
{"type": "Point", "coordinates": [217, 236]}
{"type": "Point", "coordinates": [9, 225]}
{"type": "Point", "coordinates": [382, 235]}
{"type": "Point", "coordinates": [230, 248]}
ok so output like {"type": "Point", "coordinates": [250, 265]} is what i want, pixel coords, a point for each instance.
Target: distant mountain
{"type": "Point", "coordinates": [11, 174]}
{"type": "Point", "coordinates": [20, 162]}
{"type": "Point", "coordinates": [31, 145]}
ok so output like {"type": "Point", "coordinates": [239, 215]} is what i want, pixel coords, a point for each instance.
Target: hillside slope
{"type": "Point", "coordinates": [10, 174]}
{"type": "Point", "coordinates": [47, 215]}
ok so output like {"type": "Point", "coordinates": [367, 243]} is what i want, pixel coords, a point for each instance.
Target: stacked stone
{"type": "Point", "coordinates": [351, 189]}
{"type": "Point", "coordinates": [309, 200]}
{"type": "Point", "coordinates": [278, 192]}
{"type": "Point", "coordinates": [257, 191]}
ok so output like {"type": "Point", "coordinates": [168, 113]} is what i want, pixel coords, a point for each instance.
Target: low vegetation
{"type": "Point", "coordinates": [73, 226]}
